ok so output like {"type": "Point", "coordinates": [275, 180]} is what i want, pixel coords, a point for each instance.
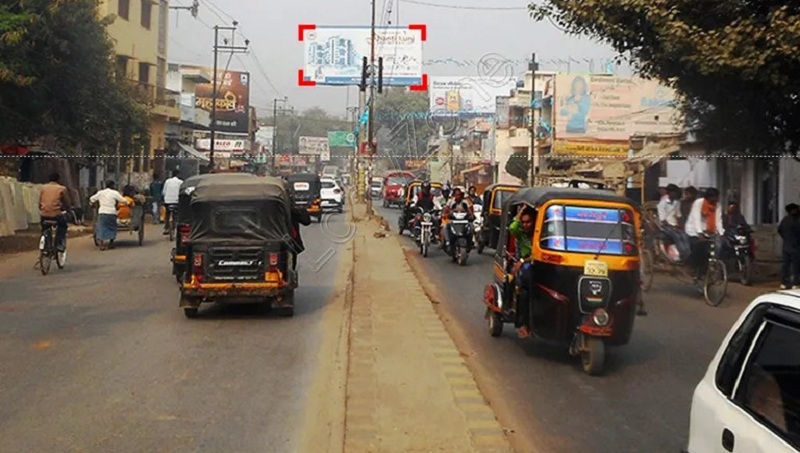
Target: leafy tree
{"type": "Point", "coordinates": [57, 79]}
{"type": "Point", "coordinates": [313, 122]}
{"type": "Point", "coordinates": [405, 116]}
{"type": "Point", "coordinates": [519, 166]}
{"type": "Point", "coordinates": [735, 62]}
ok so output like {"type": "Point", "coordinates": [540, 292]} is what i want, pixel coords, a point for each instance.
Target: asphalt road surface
{"type": "Point", "coordinates": [98, 356]}
{"type": "Point", "coordinates": [541, 394]}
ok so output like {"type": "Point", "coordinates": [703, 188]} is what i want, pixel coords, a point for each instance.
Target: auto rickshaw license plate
{"type": "Point", "coordinates": [595, 268]}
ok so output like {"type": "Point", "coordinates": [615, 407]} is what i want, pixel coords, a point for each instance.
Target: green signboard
{"type": "Point", "coordinates": [341, 139]}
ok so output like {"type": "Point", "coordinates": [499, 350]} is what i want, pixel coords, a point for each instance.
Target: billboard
{"type": "Point", "coordinates": [467, 96]}
{"type": "Point", "coordinates": [313, 146]}
{"type": "Point", "coordinates": [341, 139]}
{"type": "Point", "coordinates": [333, 54]}
{"type": "Point", "coordinates": [611, 108]}
{"type": "Point", "coordinates": [233, 100]}
{"type": "Point", "coordinates": [264, 136]}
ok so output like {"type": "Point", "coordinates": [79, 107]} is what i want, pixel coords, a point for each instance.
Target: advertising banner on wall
{"type": "Point", "coordinates": [610, 108]}
{"type": "Point", "coordinates": [233, 101]}
{"type": "Point", "coordinates": [333, 54]}
{"type": "Point", "coordinates": [588, 149]}
{"type": "Point", "coordinates": [467, 96]}
{"type": "Point", "coordinates": [314, 146]}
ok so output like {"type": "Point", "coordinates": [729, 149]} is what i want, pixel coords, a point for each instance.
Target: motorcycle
{"type": "Point", "coordinates": [460, 237]}
{"type": "Point", "coordinates": [477, 225]}
{"type": "Point", "coordinates": [424, 231]}
{"type": "Point", "coordinates": [738, 253]}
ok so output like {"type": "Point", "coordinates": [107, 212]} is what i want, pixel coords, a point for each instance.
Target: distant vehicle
{"type": "Point", "coordinates": [330, 171]}
{"type": "Point", "coordinates": [749, 398]}
{"type": "Point", "coordinates": [376, 187]}
{"type": "Point", "coordinates": [332, 195]}
{"type": "Point", "coordinates": [393, 182]}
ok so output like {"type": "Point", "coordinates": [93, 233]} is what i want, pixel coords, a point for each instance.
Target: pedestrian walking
{"type": "Point", "coordinates": [156, 193]}
{"type": "Point", "coordinates": [789, 230]}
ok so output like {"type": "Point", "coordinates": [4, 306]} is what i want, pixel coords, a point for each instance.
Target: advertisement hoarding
{"type": "Point", "coordinates": [341, 139]}
{"type": "Point", "coordinates": [314, 146]}
{"type": "Point", "coordinates": [467, 96]}
{"type": "Point", "coordinates": [264, 136]}
{"type": "Point", "coordinates": [222, 145]}
{"type": "Point", "coordinates": [333, 54]}
{"type": "Point", "coordinates": [610, 108]}
{"type": "Point", "coordinates": [233, 101]}
{"type": "Point", "coordinates": [585, 149]}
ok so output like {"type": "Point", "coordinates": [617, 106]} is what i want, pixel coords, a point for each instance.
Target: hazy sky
{"type": "Point", "coordinates": [458, 34]}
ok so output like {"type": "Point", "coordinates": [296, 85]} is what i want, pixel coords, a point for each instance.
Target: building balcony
{"type": "Point", "coordinates": [163, 102]}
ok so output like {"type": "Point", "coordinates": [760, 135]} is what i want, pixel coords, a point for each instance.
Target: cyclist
{"type": "Point", "coordinates": [54, 201]}
{"type": "Point", "coordinates": [172, 189]}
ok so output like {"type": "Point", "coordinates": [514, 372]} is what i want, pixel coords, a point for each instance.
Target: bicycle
{"type": "Point", "coordinates": [48, 249]}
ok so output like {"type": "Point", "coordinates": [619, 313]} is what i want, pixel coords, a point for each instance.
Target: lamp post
{"type": "Point", "coordinates": [275, 130]}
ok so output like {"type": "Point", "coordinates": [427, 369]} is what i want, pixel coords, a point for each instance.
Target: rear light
{"type": "Point", "coordinates": [273, 262]}
{"type": "Point", "coordinates": [184, 231]}
{"type": "Point", "coordinates": [197, 265]}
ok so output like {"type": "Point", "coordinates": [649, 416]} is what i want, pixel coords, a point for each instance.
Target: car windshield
{"type": "Point", "coordinates": [328, 185]}
{"type": "Point", "coordinates": [397, 180]}
{"type": "Point", "coordinates": [375, 184]}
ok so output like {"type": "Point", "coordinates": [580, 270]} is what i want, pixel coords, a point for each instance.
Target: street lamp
{"type": "Point", "coordinates": [275, 130]}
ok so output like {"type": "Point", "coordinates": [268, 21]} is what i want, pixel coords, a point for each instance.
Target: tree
{"type": "Point", "coordinates": [734, 62]}
{"type": "Point", "coordinates": [405, 116]}
{"type": "Point", "coordinates": [57, 79]}
{"type": "Point", "coordinates": [519, 166]}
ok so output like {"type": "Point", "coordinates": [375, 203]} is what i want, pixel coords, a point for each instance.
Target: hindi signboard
{"type": "Point", "coordinates": [233, 101]}
{"type": "Point", "coordinates": [313, 146]}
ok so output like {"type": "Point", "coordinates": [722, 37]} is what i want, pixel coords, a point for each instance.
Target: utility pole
{"type": "Point", "coordinates": [275, 130]}
{"type": "Point", "coordinates": [215, 87]}
{"type": "Point", "coordinates": [534, 153]}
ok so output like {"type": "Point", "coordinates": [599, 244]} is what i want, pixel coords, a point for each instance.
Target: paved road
{"type": "Point", "coordinates": [98, 357]}
{"type": "Point", "coordinates": [541, 393]}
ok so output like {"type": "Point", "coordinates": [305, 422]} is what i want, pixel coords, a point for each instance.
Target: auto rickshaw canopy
{"type": "Point", "coordinates": [312, 179]}
{"type": "Point", "coordinates": [230, 208]}
{"type": "Point", "coordinates": [188, 186]}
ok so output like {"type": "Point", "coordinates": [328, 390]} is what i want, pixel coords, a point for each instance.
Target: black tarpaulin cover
{"type": "Point", "coordinates": [234, 208]}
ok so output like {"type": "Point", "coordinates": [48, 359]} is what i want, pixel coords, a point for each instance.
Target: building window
{"type": "Point", "coordinates": [124, 9]}
{"type": "Point", "coordinates": [122, 67]}
{"type": "Point", "coordinates": [163, 12]}
{"type": "Point", "coordinates": [144, 73]}
{"type": "Point", "coordinates": [147, 13]}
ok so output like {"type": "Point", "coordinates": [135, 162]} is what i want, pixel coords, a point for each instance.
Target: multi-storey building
{"type": "Point", "coordinates": [139, 32]}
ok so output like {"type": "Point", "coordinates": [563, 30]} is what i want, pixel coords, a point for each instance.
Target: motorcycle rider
{"type": "Point", "coordinates": [474, 197]}
{"type": "Point", "coordinates": [668, 215]}
{"type": "Point", "coordinates": [457, 202]}
{"type": "Point", "coordinates": [734, 218]}
{"type": "Point", "coordinates": [425, 200]}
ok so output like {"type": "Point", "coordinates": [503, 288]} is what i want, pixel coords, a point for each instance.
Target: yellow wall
{"type": "Point", "coordinates": [131, 39]}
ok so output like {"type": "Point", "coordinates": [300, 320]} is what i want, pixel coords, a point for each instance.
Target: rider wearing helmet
{"type": "Point", "coordinates": [457, 203]}
{"type": "Point", "coordinates": [424, 199]}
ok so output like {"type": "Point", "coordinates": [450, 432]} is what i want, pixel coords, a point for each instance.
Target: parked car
{"type": "Point", "coordinates": [332, 195]}
{"type": "Point", "coordinates": [749, 398]}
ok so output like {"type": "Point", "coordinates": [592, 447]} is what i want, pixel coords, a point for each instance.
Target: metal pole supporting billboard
{"type": "Point", "coordinates": [534, 152]}
{"type": "Point", "coordinates": [214, 89]}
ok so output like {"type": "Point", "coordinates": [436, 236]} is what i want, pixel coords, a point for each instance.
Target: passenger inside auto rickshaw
{"type": "Point", "coordinates": [521, 230]}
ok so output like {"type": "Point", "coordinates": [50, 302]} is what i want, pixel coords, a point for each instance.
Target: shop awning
{"type": "Point", "coordinates": [653, 153]}
{"type": "Point", "coordinates": [193, 152]}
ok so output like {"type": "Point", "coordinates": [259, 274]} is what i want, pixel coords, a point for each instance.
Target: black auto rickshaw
{"type": "Point", "coordinates": [240, 246]}
{"type": "Point", "coordinates": [184, 219]}
{"type": "Point", "coordinates": [585, 258]}
{"type": "Point", "coordinates": [493, 198]}
{"type": "Point", "coordinates": [305, 189]}
{"type": "Point", "coordinates": [413, 188]}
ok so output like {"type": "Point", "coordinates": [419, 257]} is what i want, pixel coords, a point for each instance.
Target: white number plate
{"type": "Point", "coordinates": [595, 268]}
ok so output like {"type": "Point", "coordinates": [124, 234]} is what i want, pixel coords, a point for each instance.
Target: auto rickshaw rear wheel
{"type": "Point", "coordinates": [286, 310]}
{"type": "Point", "coordinates": [190, 312]}
{"type": "Point", "coordinates": [593, 356]}
{"type": "Point", "coordinates": [480, 247]}
{"type": "Point", "coordinates": [495, 322]}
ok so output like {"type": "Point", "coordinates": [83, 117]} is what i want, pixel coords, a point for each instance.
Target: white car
{"type": "Point", "coordinates": [749, 399]}
{"type": "Point", "coordinates": [332, 195]}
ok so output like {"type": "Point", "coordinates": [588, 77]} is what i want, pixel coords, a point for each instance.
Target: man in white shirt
{"type": "Point", "coordinates": [669, 211]}
{"type": "Point", "coordinates": [172, 190]}
{"type": "Point", "coordinates": [106, 222]}
{"type": "Point", "coordinates": [705, 218]}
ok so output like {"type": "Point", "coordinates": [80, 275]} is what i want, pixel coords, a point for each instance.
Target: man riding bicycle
{"type": "Point", "coordinates": [704, 219]}
{"type": "Point", "coordinates": [54, 201]}
{"type": "Point", "coordinates": [172, 190]}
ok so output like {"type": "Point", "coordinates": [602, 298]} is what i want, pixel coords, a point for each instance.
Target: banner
{"type": "Point", "coordinates": [313, 146]}
{"type": "Point", "coordinates": [264, 136]}
{"type": "Point", "coordinates": [607, 107]}
{"type": "Point", "coordinates": [233, 101]}
{"type": "Point", "coordinates": [222, 145]}
{"type": "Point", "coordinates": [467, 96]}
{"type": "Point", "coordinates": [333, 54]}
{"type": "Point", "coordinates": [341, 139]}
{"type": "Point", "coordinates": [597, 149]}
